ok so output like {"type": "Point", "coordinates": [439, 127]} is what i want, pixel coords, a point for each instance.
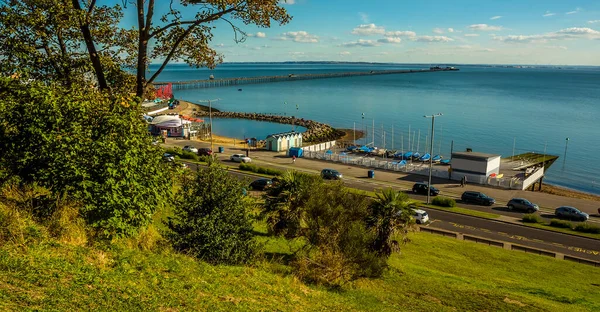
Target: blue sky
{"type": "Point", "coordinates": [427, 31]}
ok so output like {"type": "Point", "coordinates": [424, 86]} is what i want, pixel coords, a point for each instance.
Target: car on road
{"type": "Point", "coordinates": [241, 158]}
{"type": "Point", "coordinates": [330, 174]}
{"type": "Point", "coordinates": [420, 216]}
{"type": "Point", "coordinates": [421, 188]}
{"type": "Point", "coordinates": [168, 157]}
{"type": "Point", "coordinates": [571, 213]}
{"type": "Point", "coordinates": [477, 198]}
{"type": "Point", "coordinates": [522, 204]}
{"type": "Point", "coordinates": [204, 151]}
{"type": "Point", "coordinates": [191, 149]}
{"type": "Point", "coordinates": [261, 184]}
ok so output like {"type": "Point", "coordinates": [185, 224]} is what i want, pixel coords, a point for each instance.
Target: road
{"type": "Point", "coordinates": [577, 246]}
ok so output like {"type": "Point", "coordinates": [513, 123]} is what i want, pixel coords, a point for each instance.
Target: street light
{"type": "Point", "coordinates": [565, 157]}
{"type": "Point", "coordinates": [430, 157]}
{"type": "Point", "coordinates": [210, 118]}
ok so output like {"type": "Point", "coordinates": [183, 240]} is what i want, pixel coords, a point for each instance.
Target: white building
{"type": "Point", "coordinates": [283, 141]}
{"type": "Point", "coordinates": [475, 166]}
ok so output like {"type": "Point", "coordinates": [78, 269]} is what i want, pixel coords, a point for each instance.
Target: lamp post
{"type": "Point", "coordinates": [210, 119]}
{"type": "Point", "coordinates": [431, 158]}
{"type": "Point", "coordinates": [565, 157]}
{"type": "Point", "coordinates": [364, 129]}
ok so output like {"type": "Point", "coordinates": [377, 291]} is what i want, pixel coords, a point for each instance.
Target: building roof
{"type": "Point", "coordinates": [284, 134]}
{"type": "Point", "coordinates": [474, 155]}
{"type": "Point", "coordinates": [168, 121]}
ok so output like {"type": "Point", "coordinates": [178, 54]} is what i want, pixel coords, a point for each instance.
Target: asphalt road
{"type": "Point", "coordinates": [577, 246]}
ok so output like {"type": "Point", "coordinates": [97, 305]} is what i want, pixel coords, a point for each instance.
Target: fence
{"type": "Point", "coordinates": [507, 245]}
{"type": "Point", "coordinates": [410, 167]}
{"type": "Point", "coordinates": [318, 147]}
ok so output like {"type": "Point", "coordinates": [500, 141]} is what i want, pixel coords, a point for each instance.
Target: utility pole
{"type": "Point", "coordinates": [373, 132]}
{"type": "Point", "coordinates": [431, 158]}
{"type": "Point", "coordinates": [211, 123]}
{"type": "Point", "coordinates": [364, 128]}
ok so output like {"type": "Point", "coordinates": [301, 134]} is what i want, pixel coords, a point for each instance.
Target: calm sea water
{"type": "Point", "coordinates": [486, 109]}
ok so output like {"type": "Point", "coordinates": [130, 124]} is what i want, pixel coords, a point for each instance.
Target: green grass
{"type": "Point", "coordinates": [562, 230]}
{"type": "Point", "coordinates": [433, 273]}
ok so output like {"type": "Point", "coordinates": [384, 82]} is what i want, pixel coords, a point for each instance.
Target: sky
{"type": "Point", "coordinates": [553, 32]}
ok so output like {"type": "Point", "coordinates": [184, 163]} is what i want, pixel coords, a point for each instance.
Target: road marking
{"type": "Point", "coordinates": [585, 251]}
{"type": "Point", "coordinates": [559, 245]}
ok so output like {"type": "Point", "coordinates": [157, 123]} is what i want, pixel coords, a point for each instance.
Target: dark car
{"type": "Point", "coordinates": [421, 188]}
{"type": "Point", "coordinates": [204, 151]}
{"type": "Point", "coordinates": [571, 213]}
{"type": "Point", "coordinates": [477, 198]}
{"type": "Point", "coordinates": [522, 204]}
{"type": "Point", "coordinates": [261, 184]}
{"type": "Point", "coordinates": [330, 174]}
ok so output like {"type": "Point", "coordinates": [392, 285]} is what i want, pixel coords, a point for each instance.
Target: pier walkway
{"type": "Point", "coordinates": [226, 82]}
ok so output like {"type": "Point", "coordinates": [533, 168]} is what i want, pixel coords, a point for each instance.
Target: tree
{"type": "Point", "coordinates": [43, 40]}
{"type": "Point", "coordinates": [86, 144]}
{"type": "Point", "coordinates": [389, 214]}
{"type": "Point", "coordinates": [211, 219]}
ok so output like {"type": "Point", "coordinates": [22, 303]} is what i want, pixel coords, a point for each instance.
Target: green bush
{"type": "Point", "coordinates": [210, 218]}
{"type": "Point", "coordinates": [443, 201]}
{"type": "Point", "coordinates": [205, 159]}
{"type": "Point", "coordinates": [561, 224]}
{"type": "Point", "coordinates": [175, 151]}
{"type": "Point", "coordinates": [261, 170]}
{"type": "Point", "coordinates": [587, 228]}
{"type": "Point", "coordinates": [189, 155]}
{"type": "Point", "coordinates": [532, 218]}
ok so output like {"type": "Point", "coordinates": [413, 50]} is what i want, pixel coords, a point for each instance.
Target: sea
{"type": "Point", "coordinates": [490, 109]}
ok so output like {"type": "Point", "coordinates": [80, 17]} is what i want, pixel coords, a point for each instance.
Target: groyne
{"type": "Point", "coordinates": [226, 82]}
{"type": "Point", "coordinates": [315, 131]}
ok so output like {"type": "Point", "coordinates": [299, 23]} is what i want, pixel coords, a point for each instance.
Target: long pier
{"type": "Point", "coordinates": [226, 82]}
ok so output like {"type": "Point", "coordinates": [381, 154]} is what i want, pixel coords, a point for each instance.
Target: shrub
{"type": "Point", "coordinates": [532, 218]}
{"type": "Point", "coordinates": [261, 170]}
{"type": "Point", "coordinates": [210, 218]}
{"type": "Point", "coordinates": [206, 159]}
{"type": "Point", "coordinates": [587, 228]}
{"type": "Point", "coordinates": [443, 201]}
{"type": "Point", "coordinates": [175, 151]}
{"type": "Point", "coordinates": [561, 224]}
{"type": "Point", "coordinates": [188, 155]}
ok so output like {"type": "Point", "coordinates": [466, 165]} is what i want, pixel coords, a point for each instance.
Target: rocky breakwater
{"type": "Point", "coordinates": [316, 132]}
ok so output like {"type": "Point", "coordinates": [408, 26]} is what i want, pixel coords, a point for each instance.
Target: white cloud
{"type": "Point", "coordinates": [261, 34]}
{"type": "Point", "coordinates": [433, 39]}
{"type": "Point", "coordinates": [548, 13]}
{"type": "Point", "coordinates": [577, 10]}
{"type": "Point", "coordinates": [496, 17]}
{"type": "Point", "coordinates": [471, 35]}
{"type": "Point", "coordinates": [298, 36]}
{"type": "Point", "coordinates": [567, 33]}
{"type": "Point", "coordinates": [485, 27]}
{"type": "Point", "coordinates": [364, 17]}
{"type": "Point", "coordinates": [361, 43]}
{"type": "Point", "coordinates": [438, 31]}
{"type": "Point", "coordinates": [368, 30]}
{"type": "Point", "coordinates": [390, 40]}
{"type": "Point", "coordinates": [450, 30]}
{"type": "Point", "coordinates": [400, 33]}
{"type": "Point", "coordinates": [594, 21]}
{"type": "Point", "coordinates": [345, 53]}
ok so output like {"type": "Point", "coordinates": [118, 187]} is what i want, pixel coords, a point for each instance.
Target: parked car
{"type": "Point", "coordinates": [240, 158]}
{"type": "Point", "coordinates": [191, 149]}
{"type": "Point", "coordinates": [168, 157]}
{"type": "Point", "coordinates": [477, 198]}
{"type": "Point", "coordinates": [421, 188]}
{"type": "Point", "coordinates": [420, 216]}
{"type": "Point", "coordinates": [204, 151]}
{"type": "Point", "coordinates": [571, 213]}
{"type": "Point", "coordinates": [522, 204]}
{"type": "Point", "coordinates": [261, 184]}
{"type": "Point", "coordinates": [330, 174]}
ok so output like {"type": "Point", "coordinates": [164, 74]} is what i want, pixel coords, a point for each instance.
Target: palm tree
{"type": "Point", "coordinates": [389, 213]}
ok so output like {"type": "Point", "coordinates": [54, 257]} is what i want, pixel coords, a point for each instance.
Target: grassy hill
{"type": "Point", "coordinates": [432, 273]}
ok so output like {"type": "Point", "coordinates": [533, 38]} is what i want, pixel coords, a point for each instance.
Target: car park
{"type": "Point", "coordinates": [330, 174]}
{"type": "Point", "coordinates": [241, 158]}
{"type": "Point", "coordinates": [477, 198]}
{"type": "Point", "coordinates": [420, 216]}
{"type": "Point", "coordinates": [204, 151]}
{"type": "Point", "coordinates": [191, 149]}
{"type": "Point", "coordinates": [571, 213]}
{"type": "Point", "coordinates": [261, 184]}
{"type": "Point", "coordinates": [522, 204]}
{"type": "Point", "coordinates": [421, 188]}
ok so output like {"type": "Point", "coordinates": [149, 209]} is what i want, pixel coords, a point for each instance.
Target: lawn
{"type": "Point", "coordinates": [432, 273]}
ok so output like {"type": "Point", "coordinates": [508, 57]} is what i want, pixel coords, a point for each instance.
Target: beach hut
{"type": "Point", "coordinates": [283, 141]}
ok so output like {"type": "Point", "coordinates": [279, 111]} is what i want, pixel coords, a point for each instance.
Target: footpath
{"type": "Point", "coordinates": [399, 180]}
